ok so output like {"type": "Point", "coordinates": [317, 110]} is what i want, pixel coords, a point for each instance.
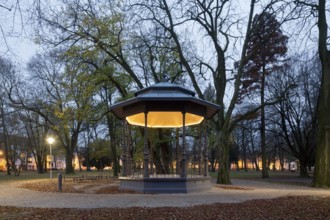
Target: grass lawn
{"type": "Point", "coordinates": [282, 177]}
{"type": "Point", "coordinates": [250, 175]}
{"type": "Point", "coordinates": [275, 177]}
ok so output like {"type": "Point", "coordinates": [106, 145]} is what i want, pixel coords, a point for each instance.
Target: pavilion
{"type": "Point", "coordinates": [164, 105]}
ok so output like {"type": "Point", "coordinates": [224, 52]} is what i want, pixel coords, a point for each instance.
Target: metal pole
{"type": "Point", "coordinates": [183, 153]}
{"type": "Point", "coordinates": [205, 148]}
{"type": "Point", "coordinates": [177, 154]}
{"type": "Point", "coordinates": [146, 151]}
{"type": "Point", "coordinates": [200, 149]}
{"type": "Point", "coordinates": [50, 162]}
{"type": "Point", "coordinates": [128, 151]}
{"type": "Point", "coordinates": [59, 182]}
{"type": "Point", "coordinates": [124, 149]}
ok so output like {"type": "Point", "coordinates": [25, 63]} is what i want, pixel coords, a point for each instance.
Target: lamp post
{"type": "Point", "coordinates": [50, 140]}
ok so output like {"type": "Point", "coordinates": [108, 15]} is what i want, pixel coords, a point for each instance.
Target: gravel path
{"type": "Point", "coordinates": [12, 195]}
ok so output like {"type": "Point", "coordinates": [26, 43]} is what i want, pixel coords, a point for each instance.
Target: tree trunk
{"type": "Point", "coordinates": [165, 157]}
{"type": "Point", "coordinates": [113, 147]}
{"type": "Point", "coordinates": [68, 160]}
{"type": "Point", "coordinates": [80, 163]}
{"type": "Point", "coordinates": [164, 151]}
{"type": "Point", "coordinates": [39, 163]}
{"type": "Point", "coordinates": [223, 171]}
{"type": "Point", "coordinates": [257, 166]}
{"type": "Point", "coordinates": [45, 163]}
{"type": "Point", "coordinates": [212, 164]}
{"type": "Point", "coordinates": [115, 164]}
{"type": "Point", "coordinates": [322, 163]}
{"type": "Point", "coordinates": [5, 137]}
{"type": "Point", "coordinates": [303, 169]}
{"type": "Point", "coordinates": [7, 159]}
{"type": "Point", "coordinates": [263, 127]}
{"type": "Point", "coordinates": [156, 159]}
{"type": "Point", "coordinates": [244, 150]}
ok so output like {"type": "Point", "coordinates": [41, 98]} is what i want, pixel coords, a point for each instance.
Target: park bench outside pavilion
{"type": "Point", "coordinates": [164, 105]}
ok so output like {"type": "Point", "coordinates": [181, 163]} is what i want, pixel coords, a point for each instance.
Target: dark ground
{"type": "Point", "coordinates": [280, 208]}
{"type": "Point", "coordinates": [295, 207]}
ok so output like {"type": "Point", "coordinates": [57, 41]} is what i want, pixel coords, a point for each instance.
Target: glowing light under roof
{"type": "Point", "coordinates": [164, 119]}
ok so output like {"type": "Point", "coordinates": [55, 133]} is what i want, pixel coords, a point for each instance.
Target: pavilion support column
{"type": "Point", "coordinates": [124, 156]}
{"type": "Point", "coordinates": [146, 150]}
{"type": "Point", "coordinates": [128, 150]}
{"type": "Point", "coordinates": [177, 154]}
{"type": "Point", "coordinates": [200, 150]}
{"type": "Point", "coordinates": [183, 151]}
{"type": "Point", "coordinates": [204, 125]}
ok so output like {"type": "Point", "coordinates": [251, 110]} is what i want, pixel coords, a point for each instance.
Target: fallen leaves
{"type": "Point", "coordinates": [280, 208]}
{"type": "Point", "coordinates": [95, 187]}
{"type": "Point", "coordinates": [232, 187]}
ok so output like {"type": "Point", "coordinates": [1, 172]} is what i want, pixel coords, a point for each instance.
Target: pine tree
{"type": "Point", "coordinates": [266, 48]}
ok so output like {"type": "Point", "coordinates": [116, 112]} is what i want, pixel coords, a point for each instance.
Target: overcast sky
{"type": "Point", "coordinates": [16, 39]}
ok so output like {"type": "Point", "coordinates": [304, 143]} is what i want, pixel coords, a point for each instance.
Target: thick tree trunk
{"type": "Point", "coordinates": [156, 160]}
{"type": "Point", "coordinates": [40, 164]}
{"type": "Point", "coordinates": [68, 160]}
{"type": "Point", "coordinates": [165, 157]}
{"type": "Point", "coordinates": [322, 163]}
{"type": "Point", "coordinates": [164, 150]}
{"type": "Point", "coordinates": [115, 164]}
{"type": "Point", "coordinates": [223, 171]}
{"type": "Point", "coordinates": [113, 148]}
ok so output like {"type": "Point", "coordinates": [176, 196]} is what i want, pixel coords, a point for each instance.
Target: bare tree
{"type": "Point", "coordinates": [298, 114]}
{"type": "Point", "coordinates": [263, 62]}
{"type": "Point", "coordinates": [322, 172]}
{"type": "Point", "coordinates": [106, 27]}
{"type": "Point", "coordinates": [7, 71]}
{"type": "Point", "coordinates": [307, 11]}
{"type": "Point", "coordinates": [36, 130]}
{"type": "Point", "coordinates": [65, 104]}
{"type": "Point", "coordinates": [216, 22]}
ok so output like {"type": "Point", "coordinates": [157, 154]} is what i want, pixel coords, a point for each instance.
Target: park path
{"type": "Point", "coordinates": [241, 190]}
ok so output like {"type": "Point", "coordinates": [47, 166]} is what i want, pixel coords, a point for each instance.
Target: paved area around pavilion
{"type": "Point", "coordinates": [241, 190]}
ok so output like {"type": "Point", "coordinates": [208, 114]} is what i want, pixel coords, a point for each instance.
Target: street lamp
{"type": "Point", "coordinates": [50, 140]}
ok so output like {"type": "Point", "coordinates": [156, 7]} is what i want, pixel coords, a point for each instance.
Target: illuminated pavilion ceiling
{"type": "Point", "coordinates": [164, 104]}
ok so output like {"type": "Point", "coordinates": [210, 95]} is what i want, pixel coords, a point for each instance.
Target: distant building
{"type": "Point", "coordinates": [287, 165]}
{"type": "Point", "coordinates": [24, 158]}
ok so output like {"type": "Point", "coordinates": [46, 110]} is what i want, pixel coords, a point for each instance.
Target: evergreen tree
{"type": "Point", "coordinates": [266, 48]}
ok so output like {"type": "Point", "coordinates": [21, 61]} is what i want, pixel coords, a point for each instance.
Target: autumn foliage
{"type": "Point", "coordinates": [266, 47]}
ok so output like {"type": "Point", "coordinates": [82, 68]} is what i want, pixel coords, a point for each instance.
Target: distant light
{"type": "Point", "coordinates": [50, 140]}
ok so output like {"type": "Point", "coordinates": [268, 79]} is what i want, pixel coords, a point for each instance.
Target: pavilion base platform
{"type": "Point", "coordinates": [166, 184]}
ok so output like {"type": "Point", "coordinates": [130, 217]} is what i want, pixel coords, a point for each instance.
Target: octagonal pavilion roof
{"type": "Point", "coordinates": [164, 102]}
